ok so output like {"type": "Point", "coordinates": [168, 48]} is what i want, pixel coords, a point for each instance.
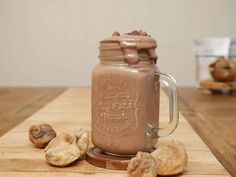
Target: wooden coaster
{"type": "Point", "coordinates": [97, 157]}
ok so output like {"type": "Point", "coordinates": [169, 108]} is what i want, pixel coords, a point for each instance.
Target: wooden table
{"type": "Point", "coordinates": [214, 118]}
{"type": "Point", "coordinates": [17, 104]}
{"type": "Point", "coordinates": [204, 113]}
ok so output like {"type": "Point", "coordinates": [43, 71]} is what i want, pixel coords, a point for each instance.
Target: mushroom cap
{"type": "Point", "coordinates": [142, 165]}
{"type": "Point", "coordinates": [223, 70]}
{"type": "Point", "coordinates": [171, 158]}
{"type": "Point", "coordinates": [62, 155]}
{"type": "Point", "coordinates": [62, 150]}
{"type": "Point", "coordinates": [40, 135]}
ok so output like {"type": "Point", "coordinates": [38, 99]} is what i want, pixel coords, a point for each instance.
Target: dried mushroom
{"type": "Point", "coordinates": [171, 158]}
{"type": "Point", "coordinates": [63, 138]}
{"type": "Point", "coordinates": [62, 150]}
{"type": "Point", "coordinates": [223, 70]}
{"type": "Point", "coordinates": [40, 135]}
{"type": "Point", "coordinates": [82, 141]}
{"type": "Point", "coordinates": [142, 165]}
{"type": "Point", "coordinates": [62, 155]}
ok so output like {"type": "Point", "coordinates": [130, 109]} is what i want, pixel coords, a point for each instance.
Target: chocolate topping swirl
{"type": "Point", "coordinates": [130, 44]}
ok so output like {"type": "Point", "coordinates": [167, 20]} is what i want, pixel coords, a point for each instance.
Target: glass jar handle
{"type": "Point", "coordinates": [170, 82]}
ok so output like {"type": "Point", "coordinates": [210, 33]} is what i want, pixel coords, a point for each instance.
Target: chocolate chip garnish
{"type": "Point", "coordinates": [138, 33]}
{"type": "Point", "coordinates": [143, 33]}
{"type": "Point", "coordinates": [116, 33]}
{"type": "Point", "coordinates": [135, 32]}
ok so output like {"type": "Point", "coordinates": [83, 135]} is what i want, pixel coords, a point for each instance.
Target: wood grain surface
{"type": "Point", "coordinates": [17, 104]}
{"type": "Point", "coordinates": [71, 111]}
{"type": "Point", "coordinates": [214, 119]}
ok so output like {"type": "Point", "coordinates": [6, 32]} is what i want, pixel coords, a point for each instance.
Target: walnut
{"type": "Point", "coordinates": [142, 165]}
{"type": "Point", "coordinates": [40, 135]}
{"type": "Point", "coordinates": [82, 140]}
{"type": "Point", "coordinates": [62, 150]}
{"type": "Point", "coordinates": [171, 158]}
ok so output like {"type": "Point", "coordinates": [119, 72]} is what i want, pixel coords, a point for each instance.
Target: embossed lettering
{"type": "Point", "coordinates": [115, 106]}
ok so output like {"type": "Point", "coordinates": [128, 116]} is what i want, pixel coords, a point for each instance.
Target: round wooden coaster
{"type": "Point", "coordinates": [97, 157]}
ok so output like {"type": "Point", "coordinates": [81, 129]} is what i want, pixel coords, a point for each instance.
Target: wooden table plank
{"type": "Point", "coordinates": [17, 104]}
{"type": "Point", "coordinates": [74, 174]}
{"type": "Point", "coordinates": [214, 119]}
{"type": "Point", "coordinates": [71, 111]}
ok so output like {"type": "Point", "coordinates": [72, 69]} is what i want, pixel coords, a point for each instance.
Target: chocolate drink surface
{"type": "Point", "coordinates": [125, 95]}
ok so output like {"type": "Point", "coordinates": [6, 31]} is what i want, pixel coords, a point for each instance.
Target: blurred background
{"type": "Point", "coordinates": [55, 42]}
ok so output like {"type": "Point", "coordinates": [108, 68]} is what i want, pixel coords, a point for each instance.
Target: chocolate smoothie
{"type": "Point", "coordinates": [125, 94]}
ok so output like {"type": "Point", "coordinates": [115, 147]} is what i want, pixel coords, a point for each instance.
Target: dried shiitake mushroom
{"type": "Point", "coordinates": [142, 165]}
{"type": "Point", "coordinates": [63, 138]}
{"type": "Point", "coordinates": [40, 135]}
{"type": "Point", "coordinates": [62, 155]}
{"type": "Point", "coordinates": [223, 70]}
{"type": "Point", "coordinates": [171, 158]}
{"type": "Point", "coordinates": [82, 140]}
{"type": "Point", "coordinates": [62, 150]}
